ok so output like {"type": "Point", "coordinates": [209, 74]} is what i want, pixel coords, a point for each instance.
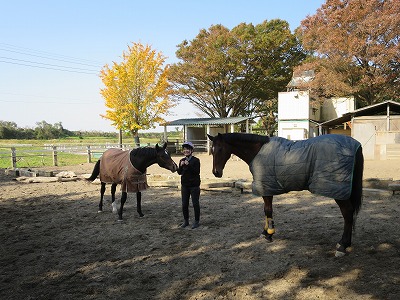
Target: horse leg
{"type": "Point", "coordinates": [113, 204]}
{"type": "Point", "coordinates": [123, 200]}
{"type": "Point", "coordinates": [347, 211]}
{"type": "Point", "coordinates": [269, 228]}
{"type": "Point", "coordinates": [102, 191]}
{"type": "Point", "coordinates": [139, 203]}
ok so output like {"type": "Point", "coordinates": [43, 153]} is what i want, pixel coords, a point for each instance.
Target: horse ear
{"type": "Point", "coordinates": [157, 147]}
{"type": "Point", "coordinates": [210, 137]}
{"type": "Point", "coordinates": [165, 146]}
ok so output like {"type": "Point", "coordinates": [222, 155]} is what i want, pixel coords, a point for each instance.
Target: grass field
{"type": "Point", "coordinates": [38, 153]}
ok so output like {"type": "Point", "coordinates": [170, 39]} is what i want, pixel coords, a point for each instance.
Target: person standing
{"type": "Point", "coordinates": [189, 169]}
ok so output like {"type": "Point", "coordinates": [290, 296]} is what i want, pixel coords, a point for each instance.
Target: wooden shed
{"type": "Point", "coordinates": [376, 127]}
{"type": "Point", "coordinates": [196, 129]}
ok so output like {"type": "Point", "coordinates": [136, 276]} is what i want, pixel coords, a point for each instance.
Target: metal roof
{"type": "Point", "coordinates": [303, 77]}
{"type": "Point", "coordinates": [371, 110]}
{"type": "Point", "coordinates": [208, 121]}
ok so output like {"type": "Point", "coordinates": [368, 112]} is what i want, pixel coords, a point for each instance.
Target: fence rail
{"type": "Point", "coordinates": [17, 153]}
{"type": "Point", "coordinates": [92, 152]}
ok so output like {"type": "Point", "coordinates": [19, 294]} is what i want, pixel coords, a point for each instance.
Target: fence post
{"type": "Point", "coordinates": [177, 146]}
{"type": "Point", "coordinates": [55, 163]}
{"type": "Point", "coordinates": [89, 153]}
{"type": "Point", "coordinates": [13, 157]}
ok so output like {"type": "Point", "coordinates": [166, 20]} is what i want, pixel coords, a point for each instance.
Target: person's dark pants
{"type": "Point", "coordinates": [187, 192]}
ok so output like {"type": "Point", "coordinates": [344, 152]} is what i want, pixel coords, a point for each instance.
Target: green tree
{"type": "Point", "coordinates": [228, 73]}
{"type": "Point", "coordinates": [355, 50]}
{"type": "Point", "coordinates": [136, 91]}
{"type": "Point", "coordinates": [45, 131]}
{"type": "Point", "coordinates": [8, 130]}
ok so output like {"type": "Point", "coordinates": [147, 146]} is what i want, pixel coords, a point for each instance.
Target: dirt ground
{"type": "Point", "coordinates": [55, 245]}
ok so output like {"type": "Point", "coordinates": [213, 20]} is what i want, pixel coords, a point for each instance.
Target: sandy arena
{"type": "Point", "coordinates": [55, 245]}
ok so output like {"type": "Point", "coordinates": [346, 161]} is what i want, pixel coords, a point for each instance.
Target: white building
{"type": "Point", "coordinates": [299, 116]}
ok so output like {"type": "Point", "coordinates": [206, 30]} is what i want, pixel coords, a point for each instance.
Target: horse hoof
{"type": "Point", "coordinates": [339, 253]}
{"type": "Point", "coordinates": [340, 250]}
{"type": "Point", "coordinates": [120, 220]}
{"type": "Point", "coordinates": [267, 237]}
{"type": "Point", "coordinates": [99, 211]}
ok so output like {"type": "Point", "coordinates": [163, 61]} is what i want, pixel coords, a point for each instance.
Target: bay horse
{"type": "Point", "coordinates": [329, 165]}
{"type": "Point", "coordinates": [128, 168]}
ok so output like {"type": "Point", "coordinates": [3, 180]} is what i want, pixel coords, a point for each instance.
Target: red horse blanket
{"type": "Point", "coordinates": [116, 167]}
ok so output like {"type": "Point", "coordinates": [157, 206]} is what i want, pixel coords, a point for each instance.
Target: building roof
{"type": "Point", "coordinates": [208, 121]}
{"type": "Point", "coordinates": [299, 79]}
{"type": "Point", "coordinates": [372, 110]}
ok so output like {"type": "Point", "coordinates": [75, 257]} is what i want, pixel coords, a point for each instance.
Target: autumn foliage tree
{"type": "Point", "coordinates": [355, 50]}
{"type": "Point", "coordinates": [136, 90]}
{"type": "Point", "coordinates": [228, 73]}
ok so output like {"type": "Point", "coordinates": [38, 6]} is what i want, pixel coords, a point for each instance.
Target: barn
{"type": "Point", "coordinates": [376, 127]}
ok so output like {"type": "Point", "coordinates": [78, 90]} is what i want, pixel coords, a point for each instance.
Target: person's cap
{"type": "Point", "coordinates": [188, 144]}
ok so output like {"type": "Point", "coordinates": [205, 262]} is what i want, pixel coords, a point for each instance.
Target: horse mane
{"type": "Point", "coordinates": [245, 137]}
{"type": "Point", "coordinates": [144, 151]}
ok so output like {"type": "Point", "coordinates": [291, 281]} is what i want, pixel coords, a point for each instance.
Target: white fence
{"type": "Point", "coordinates": [15, 153]}
{"type": "Point", "coordinates": [19, 152]}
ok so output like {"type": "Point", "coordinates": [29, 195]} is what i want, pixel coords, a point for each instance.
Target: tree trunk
{"type": "Point", "coordinates": [120, 138]}
{"type": "Point", "coordinates": [136, 138]}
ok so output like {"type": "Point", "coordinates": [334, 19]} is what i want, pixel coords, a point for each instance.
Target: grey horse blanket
{"type": "Point", "coordinates": [116, 167]}
{"type": "Point", "coordinates": [323, 165]}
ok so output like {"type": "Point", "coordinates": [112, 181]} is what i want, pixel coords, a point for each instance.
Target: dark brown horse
{"type": "Point", "coordinates": [128, 168]}
{"type": "Point", "coordinates": [329, 165]}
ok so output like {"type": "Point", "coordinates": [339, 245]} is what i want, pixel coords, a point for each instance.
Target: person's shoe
{"type": "Point", "coordinates": [195, 225]}
{"type": "Point", "coordinates": [184, 224]}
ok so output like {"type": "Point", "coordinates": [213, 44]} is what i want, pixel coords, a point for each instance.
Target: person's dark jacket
{"type": "Point", "coordinates": [191, 172]}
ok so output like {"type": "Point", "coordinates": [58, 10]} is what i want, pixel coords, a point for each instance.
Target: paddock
{"type": "Point", "coordinates": [54, 245]}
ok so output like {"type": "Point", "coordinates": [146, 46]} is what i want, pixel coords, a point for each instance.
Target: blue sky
{"type": "Point", "coordinates": [52, 51]}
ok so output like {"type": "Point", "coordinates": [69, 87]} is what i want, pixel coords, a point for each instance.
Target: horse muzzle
{"type": "Point", "coordinates": [217, 173]}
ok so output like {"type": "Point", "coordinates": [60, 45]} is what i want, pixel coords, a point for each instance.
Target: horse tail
{"type": "Point", "coordinates": [357, 187]}
{"type": "Point", "coordinates": [96, 171]}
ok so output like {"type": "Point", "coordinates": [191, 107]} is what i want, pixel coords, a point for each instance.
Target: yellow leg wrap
{"type": "Point", "coordinates": [269, 225]}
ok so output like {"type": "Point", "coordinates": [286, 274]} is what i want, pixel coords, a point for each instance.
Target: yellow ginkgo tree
{"type": "Point", "coordinates": [136, 91]}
